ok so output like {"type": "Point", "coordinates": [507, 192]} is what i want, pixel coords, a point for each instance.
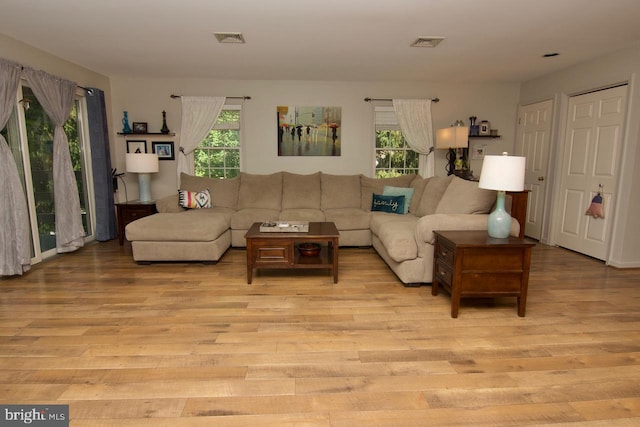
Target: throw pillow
{"type": "Point", "coordinates": [465, 197]}
{"type": "Point", "coordinates": [194, 199]}
{"type": "Point", "coordinates": [391, 204]}
{"type": "Point", "coordinates": [407, 192]}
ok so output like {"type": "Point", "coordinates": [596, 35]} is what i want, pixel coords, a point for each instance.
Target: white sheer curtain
{"type": "Point", "coordinates": [199, 115]}
{"type": "Point", "coordinates": [15, 249]}
{"type": "Point", "coordinates": [56, 97]}
{"type": "Point", "coordinates": [414, 118]}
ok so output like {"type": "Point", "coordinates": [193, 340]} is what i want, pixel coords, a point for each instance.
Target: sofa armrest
{"type": "Point", "coordinates": [429, 223]}
{"type": "Point", "coordinates": [169, 204]}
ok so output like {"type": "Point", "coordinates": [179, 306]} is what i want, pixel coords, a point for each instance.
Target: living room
{"type": "Point", "coordinates": [92, 390]}
{"type": "Point", "coordinates": [145, 97]}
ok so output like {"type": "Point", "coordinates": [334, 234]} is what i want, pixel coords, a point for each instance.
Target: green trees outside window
{"type": "Point", "coordinates": [218, 156]}
{"type": "Point", "coordinates": [393, 156]}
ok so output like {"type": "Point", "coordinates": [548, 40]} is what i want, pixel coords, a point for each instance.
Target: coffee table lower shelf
{"type": "Point", "coordinates": [280, 250]}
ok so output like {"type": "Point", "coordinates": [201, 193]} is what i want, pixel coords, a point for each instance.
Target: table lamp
{"type": "Point", "coordinates": [144, 165]}
{"type": "Point", "coordinates": [502, 173]}
{"type": "Point", "coordinates": [451, 138]}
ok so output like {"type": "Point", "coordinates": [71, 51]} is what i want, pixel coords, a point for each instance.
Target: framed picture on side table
{"type": "Point", "coordinates": [136, 146]}
{"type": "Point", "coordinates": [163, 149]}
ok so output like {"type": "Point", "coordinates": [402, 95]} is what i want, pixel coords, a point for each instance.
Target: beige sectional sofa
{"type": "Point", "coordinates": [404, 241]}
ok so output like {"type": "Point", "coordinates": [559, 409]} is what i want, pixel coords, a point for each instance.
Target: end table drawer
{"type": "Point", "coordinates": [131, 215]}
{"type": "Point", "coordinates": [445, 253]}
{"type": "Point", "coordinates": [444, 273]}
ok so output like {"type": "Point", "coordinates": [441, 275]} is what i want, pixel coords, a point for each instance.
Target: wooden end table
{"type": "Point", "coordinates": [279, 250]}
{"type": "Point", "coordinates": [472, 264]}
{"type": "Point", "coordinates": [130, 211]}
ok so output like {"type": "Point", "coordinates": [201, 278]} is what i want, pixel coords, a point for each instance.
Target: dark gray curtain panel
{"type": "Point", "coordinates": [101, 164]}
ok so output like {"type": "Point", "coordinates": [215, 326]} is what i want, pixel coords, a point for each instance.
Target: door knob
{"type": "Point", "coordinates": [541, 178]}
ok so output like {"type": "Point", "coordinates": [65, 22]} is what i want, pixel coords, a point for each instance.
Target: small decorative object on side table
{"type": "Point", "coordinates": [472, 264]}
{"type": "Point", "coordinates": [130, 211]}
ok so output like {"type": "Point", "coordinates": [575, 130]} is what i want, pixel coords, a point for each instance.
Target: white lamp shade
{"type": "Point", "coordinates": [452, 137]}
{"type": "Point", "coordinates": [503, 173]}
{"type": "Point", "coordinates": [142, 163]}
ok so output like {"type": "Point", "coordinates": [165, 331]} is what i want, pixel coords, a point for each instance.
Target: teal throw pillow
{"type": "Point", "coordinates": [400, 191]}
{"type": "Point", "coordinates": [391, 204]}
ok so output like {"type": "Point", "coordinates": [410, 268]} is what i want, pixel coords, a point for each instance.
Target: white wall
{"type": "Point", "coordinates": [622, 66]}
{"type": "Point", "coordinates": [144, 99]}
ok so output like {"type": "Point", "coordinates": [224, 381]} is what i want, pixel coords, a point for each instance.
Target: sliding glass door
{"type": "Point", "coordinates": [30, 136]}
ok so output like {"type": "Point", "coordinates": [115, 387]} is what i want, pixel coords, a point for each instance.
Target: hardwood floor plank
{"type": "Point", "coordinates": [188, 344]}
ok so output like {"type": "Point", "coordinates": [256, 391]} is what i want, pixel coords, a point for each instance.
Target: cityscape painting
{"type": "Point", "coordinates": [309, 131]}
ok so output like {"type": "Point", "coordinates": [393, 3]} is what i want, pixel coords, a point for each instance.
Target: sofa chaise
{"type": "Point", "coordinates": [403, 240]}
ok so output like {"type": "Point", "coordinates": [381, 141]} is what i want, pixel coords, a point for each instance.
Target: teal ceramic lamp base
{"type": "Point", "coordinates": [499, 224]}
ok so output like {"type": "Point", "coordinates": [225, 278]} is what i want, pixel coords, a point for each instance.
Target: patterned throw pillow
{"type": "Point", "coordinates": [391, 204]}
{"type": "Point", "coordinates": [194, 199]}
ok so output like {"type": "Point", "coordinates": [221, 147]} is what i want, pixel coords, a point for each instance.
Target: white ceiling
{"type": "Point", "coordinates": [346, 40]}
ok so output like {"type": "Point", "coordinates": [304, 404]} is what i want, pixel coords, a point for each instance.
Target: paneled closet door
{"type": "Point", "coordinates": [591, 159]}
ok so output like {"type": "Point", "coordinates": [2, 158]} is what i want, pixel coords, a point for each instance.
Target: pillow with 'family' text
{"type": "Point", "coordinates": [407, 192]}
{"type": "Point", "coordinates": [391, 204]}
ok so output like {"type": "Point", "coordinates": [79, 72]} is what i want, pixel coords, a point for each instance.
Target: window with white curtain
{"type": "Point", "coordinates": [393, 155]}
{"type": "Point", "coordinates": [218, 156]}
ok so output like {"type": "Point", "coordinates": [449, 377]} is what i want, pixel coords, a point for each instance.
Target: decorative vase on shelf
{"type": "Point", "coordinates": [125, 123]}
{"type": "Point", "coordinates": [473, 127]}
{"type": "Point", "coordinates": [164, 129]}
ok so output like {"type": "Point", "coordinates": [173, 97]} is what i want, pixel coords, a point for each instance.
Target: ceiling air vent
{"type": "Point", "coordinates": [427, 41]}
{"type": "Point", "coordinates": [229, 37]}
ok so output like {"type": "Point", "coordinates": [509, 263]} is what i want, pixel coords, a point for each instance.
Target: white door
{"type": "Point", "coordinates": [590, 162]}
{"type": "Point", "coordinates": [533, 130]}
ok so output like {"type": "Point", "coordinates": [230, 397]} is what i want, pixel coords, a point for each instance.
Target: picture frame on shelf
{"type": "Point", "coordinates": [136, 146]}
{"type": "Point", "coordinates": [140, 127]}
{"type": "Point", "coordinates": [164, 150]}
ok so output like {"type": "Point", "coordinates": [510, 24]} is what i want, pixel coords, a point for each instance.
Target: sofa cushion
{"type": "Point", "coordinates": [368, 186]}
{"type": "Point", "coordinates": [397, 234]}
{"type": "Point", "coordinates": [194, 199]}
{"type": "Point", "coordinates": [224, 192]}
{"type": "Point", "coordinates": [340, 191]}
{"type": "Point", "coordinates": [169, 204]}
{"type": "Point", "coordinates": [301, 191]}
{"type": "Point", "coordinates": [407, 192]}
{"type": "Point", "coordinates": [465, 197]}
{"type": "Point", "coordinates": [389, 204]}
{"type": "Point", "coordinates": [433, 191]}
{"type": "Point", "coordinates": [312, 215]}
{"type": "Point", "coordinates": [198, 225]}
{"type": "Point", "coordinates": [379, 218]}
{"type": "Point", "coordinates": [348, 218]}
{"type": "Point", "coordinates": [244, 218]}
{"type": "Point", "coordinates": [418, 185]}
{"type": "Point", "coordinates": [260, 191]}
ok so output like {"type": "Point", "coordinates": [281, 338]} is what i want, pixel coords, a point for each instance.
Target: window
{"type": "Point", "coordinates": [218, 156]}
{"type": "Point", "coordinates": [393, 155]}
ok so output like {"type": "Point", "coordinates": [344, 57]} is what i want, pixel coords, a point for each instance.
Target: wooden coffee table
{"type": "Point", "coordinates": [472, 264]}
{"type": "Point", "coordinates": [280, 250]}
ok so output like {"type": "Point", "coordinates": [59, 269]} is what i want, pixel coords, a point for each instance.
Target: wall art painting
{"type": "Point", "coordinates": [309, 131]}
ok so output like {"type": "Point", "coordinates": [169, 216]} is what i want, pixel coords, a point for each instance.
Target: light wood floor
{"type": "Point", "coordinates": [194, 345]}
